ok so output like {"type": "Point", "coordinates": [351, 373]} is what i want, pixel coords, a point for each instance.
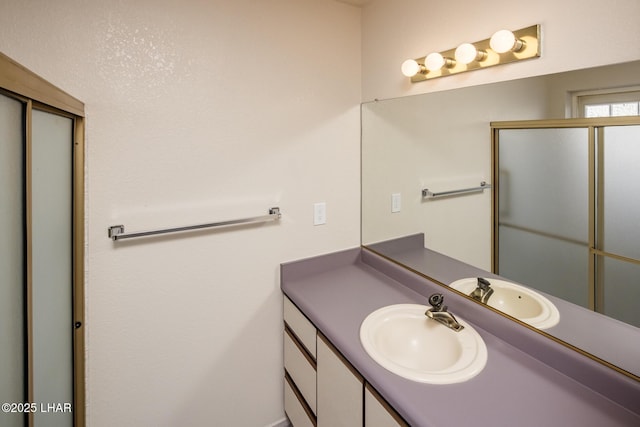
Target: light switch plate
{"type": "Point", "coordinates": [319, 213]}
{"type": "Point", "coordinates": [396, 202]}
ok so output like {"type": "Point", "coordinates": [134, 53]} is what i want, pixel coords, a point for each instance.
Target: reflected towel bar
{"type": "Point", "coordinates": [116, 232]}
{"type": "Point", "coordinates": [430, 195]}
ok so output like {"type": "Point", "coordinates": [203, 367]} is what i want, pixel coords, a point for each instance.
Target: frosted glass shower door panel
{"type": "Point", "coordinates": [12, 258]}
{"type": "Point", "coordinates": [543, 209]}
{"type": "Point", "coordinates": [621, 187]}
{"type": "Point", "coordinates": [621, 284]}
{"type": "Point", "coordinates": [52, 172]}
{"type": "Point", "coordinates": [554, 266]}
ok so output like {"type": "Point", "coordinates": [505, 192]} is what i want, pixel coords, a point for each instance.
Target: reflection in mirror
{"type": "Point", "coordinates": [442, 141]}
{"type": "Point", "coordinates": [579, 218]}
{"type": "Point", "coordinates": [543, 210]}
{"type": "Point", "coordinates": [518, 301]}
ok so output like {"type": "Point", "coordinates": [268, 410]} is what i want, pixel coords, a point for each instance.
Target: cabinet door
{"type": "Point", "coordinates": [378, 413]}
{"type": "Point", "coordinates": [340, 389]}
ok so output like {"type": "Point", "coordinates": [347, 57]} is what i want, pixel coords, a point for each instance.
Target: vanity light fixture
{"type": "Point", "coordinates": [466, 53]}
{"type": "Point", "coordinates": [435, 61]}
{"type": "Point", "coordinates": [504, 41]}
{"type": "Point", "coordinates": [410, 68]}
{"type": "Point", "coordinates": [503, 47]}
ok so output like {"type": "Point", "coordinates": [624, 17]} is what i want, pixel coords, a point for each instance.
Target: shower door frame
{"type": "Point", "coordinates": [34, 92]}
{"type": "Point", "coordinates": [595, 128]}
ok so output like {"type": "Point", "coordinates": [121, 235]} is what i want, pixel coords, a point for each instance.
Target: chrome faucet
{"type": "Point", "coordinates": [483, 291]}
{"type": "Point", "coordinates": [438, 312]}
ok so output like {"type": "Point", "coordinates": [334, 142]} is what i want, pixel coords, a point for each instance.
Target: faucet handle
{"type": "Point", "coordinates": [483, 284]}
{"type": "Point", "coordinates": [437, 301]}
{"type": "Point", "coordinates": [439, 313]}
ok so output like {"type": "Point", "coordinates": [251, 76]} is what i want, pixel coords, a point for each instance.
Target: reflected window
{"type": "Point", "coordinates": [611, 103]}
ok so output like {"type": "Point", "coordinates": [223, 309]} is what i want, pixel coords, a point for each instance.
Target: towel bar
{"type": "Point", "coordinates": [116, 232]}
{"type": "Point", "coordinates": [431, 195]}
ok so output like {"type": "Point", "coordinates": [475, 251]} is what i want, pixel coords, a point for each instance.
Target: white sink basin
{"type": "Point", "coordinates": [404, 341]}
{"type": "Point", "coordinates": [515, 300]}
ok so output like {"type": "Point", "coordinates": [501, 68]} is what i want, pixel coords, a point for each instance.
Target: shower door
{"type": "Point", "coordinates": [543, 210]}
{"type": "Point", "coordinates": [618, 222]}
{"type": "Point", "coordinates": [12, 259]}
{"type": "Point", "coordinates": [36, 291]}
{"type": "Point", "coordinates": [41, 251]}
{"type": "Point", "coordinates": [566, 211]}
{"type": "Point", "coordinates": [50, 207]}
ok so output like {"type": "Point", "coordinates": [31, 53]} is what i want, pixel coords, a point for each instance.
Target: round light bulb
{"type": "Point", "coordinates": [434, 61]}
{"type": "Point", "coordinates": [410, 68]}
{"type": "Point", "coordinates": [466, 53]}
{"type": "Point", "coordinates": [503, 41]}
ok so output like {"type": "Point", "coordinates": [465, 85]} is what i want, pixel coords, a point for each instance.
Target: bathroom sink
{"type": "Point", "coordinates": [404, 341]}
{"type": "Point", "coordinates": [515, 300]}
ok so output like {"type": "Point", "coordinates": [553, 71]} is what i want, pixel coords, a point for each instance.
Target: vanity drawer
{"type": "Point", "coordinates": [301, 368]}
{"type": "Point", "coordinates": [294, 408]}
{"type": "Point", "coordinates": [302, 328]}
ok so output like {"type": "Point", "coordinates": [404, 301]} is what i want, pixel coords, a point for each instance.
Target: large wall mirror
{"type": "Point", "coordinates": [441, 141]}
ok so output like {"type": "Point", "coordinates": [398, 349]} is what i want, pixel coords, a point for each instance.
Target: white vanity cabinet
{"type": "Point", "coordinates": [340, 398]}
{"type": "Point", "coordinates": [300, 367]}
{"type": "Point", "coordinates": [378, 413]}
{"type": "Point", "coordinates": [321, 388]}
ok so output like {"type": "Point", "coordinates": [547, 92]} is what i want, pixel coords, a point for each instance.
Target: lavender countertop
{"type": "Point", "coordinates": [600, 335]}
{"type": "Point", "coordinates": [338, 291]}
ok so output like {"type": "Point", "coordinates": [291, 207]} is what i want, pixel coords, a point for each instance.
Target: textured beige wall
{"type": "Point", "coordinates": [199, 111]}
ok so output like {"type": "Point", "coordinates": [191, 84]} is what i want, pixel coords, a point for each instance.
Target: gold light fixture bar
{"type": "Point", "coordinates": [527, 50]}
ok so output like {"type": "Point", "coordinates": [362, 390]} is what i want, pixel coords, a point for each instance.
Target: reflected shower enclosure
{"type": "Point", "coordinates": [566, 212]}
